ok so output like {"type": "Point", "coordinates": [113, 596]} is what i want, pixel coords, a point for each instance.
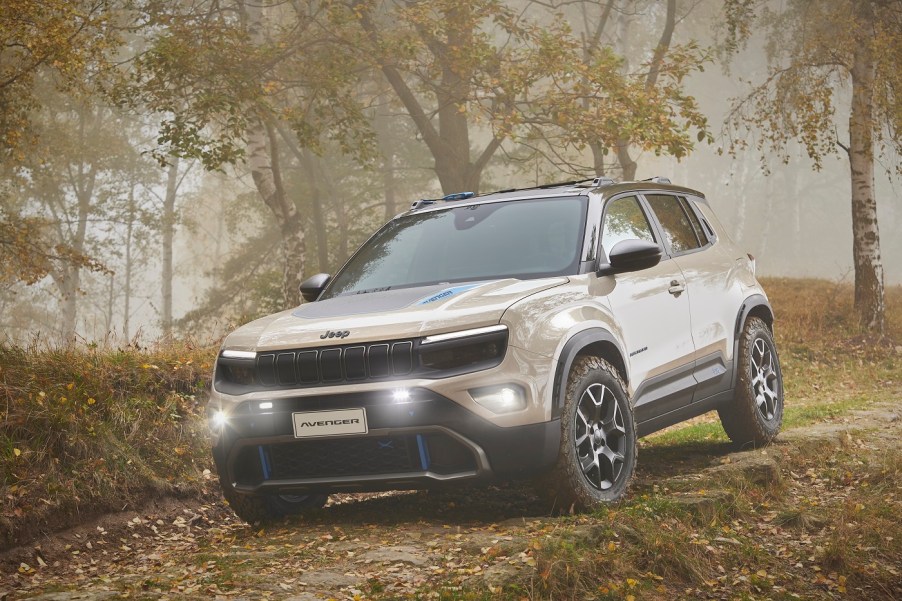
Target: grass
{"type": "Point", "coordinates": [830, 528]}
{"type": "Point", "coordinates": [84, 431]}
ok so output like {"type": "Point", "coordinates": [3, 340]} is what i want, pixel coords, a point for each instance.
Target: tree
{"type": "Point", "coordinates": [815, 49]}
{"type": "Point", "coordinates": [454, 64]}
{"type": "Point", "coordinates": [63, 40]}
{"type": "Point", "coordinates": [225, 76]}
{"type": "Point", "coordinates": [601, 101]}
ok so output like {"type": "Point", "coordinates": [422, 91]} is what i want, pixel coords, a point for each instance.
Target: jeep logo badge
{"type": "Point", "coordinates": [335, 334]}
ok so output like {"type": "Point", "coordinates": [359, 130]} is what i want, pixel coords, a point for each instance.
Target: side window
{"type": "Point", "coordinates": [693, 219]}
{"type": "Point", "coordinates": [624, 220]}
{"type": "Point", "coordinates": [675, 222]}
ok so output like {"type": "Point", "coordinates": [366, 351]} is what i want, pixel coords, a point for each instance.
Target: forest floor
{"type": "Point", "coordinates": [815, 515]}
{"type": "Point", "coordinates": [812, 516]}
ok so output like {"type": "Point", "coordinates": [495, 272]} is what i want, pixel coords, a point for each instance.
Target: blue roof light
{"type": "Point", "coordinates": [459, 196]}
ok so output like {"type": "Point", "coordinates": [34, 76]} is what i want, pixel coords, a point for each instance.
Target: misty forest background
{"type": "Point", "coordinates": [171, 168]}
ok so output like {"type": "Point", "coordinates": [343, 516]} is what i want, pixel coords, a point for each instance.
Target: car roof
{"type": "Point", "coordinates": [606, 188]}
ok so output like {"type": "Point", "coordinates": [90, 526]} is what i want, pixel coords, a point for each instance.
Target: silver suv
{"type": "Point", "coordinates": [524, 333]}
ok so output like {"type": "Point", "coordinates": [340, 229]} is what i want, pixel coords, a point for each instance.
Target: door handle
{"type": "Point", "coordinates": [676, 288]}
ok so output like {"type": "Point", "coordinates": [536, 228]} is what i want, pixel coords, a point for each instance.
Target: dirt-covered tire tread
{"type": "Point", "coordinates": [741, 419]}
{"type": "Point", "coordinates": [565, 488]}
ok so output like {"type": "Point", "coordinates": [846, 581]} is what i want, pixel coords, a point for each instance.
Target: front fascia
{"type": "Point", "coordinates": [521, 367]}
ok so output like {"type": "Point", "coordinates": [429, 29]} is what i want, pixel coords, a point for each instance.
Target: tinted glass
{"type": "Point", "coordinates": [674, 221]}
{"type": "Point", "coordinates": [693, 219]}
{"type": "Point", "coordinates": [522, 239]}
{"type": "Point", "coordinates": [624, 220]}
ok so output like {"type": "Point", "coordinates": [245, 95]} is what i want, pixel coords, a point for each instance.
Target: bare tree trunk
{"type": "Point", "coordinates": [168, 235]}
{"type": "Point", "coordinates": [389, 185]}
{"type": "Point", "coordinates": [869, 286]}
{"type": "Point", "coordinates": [127, 292]}
{"type": "Point", "coordinates": [627, 163]}
{"type": "Point", "coordinates": [450, 143]}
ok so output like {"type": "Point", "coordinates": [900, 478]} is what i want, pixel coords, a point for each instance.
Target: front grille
{"type": "Point", "coordinates": [354, 456]}
{"type": "Point", "coordinates": [335, 365]}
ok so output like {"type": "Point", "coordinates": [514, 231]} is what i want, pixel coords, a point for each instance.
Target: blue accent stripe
{"type": "Point", "coordinates": [264, 463]}
{"type": "Point", "coordinates": [424, 452]}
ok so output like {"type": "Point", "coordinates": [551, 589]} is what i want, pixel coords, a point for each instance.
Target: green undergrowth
{"type": "Point", "coordinates": [83, 431]}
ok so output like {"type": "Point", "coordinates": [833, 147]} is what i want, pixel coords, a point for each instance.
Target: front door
{"type": "Point", "coordinates": [653, 311]}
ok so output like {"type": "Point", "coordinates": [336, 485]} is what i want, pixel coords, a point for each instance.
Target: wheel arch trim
{"type": "Point", "coordinates": [599, 338]}
{"type": "Point", "coordinates": [755, 305]}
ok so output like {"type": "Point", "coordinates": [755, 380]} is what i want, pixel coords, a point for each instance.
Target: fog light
{"type": "Point", "coordinates": [266, 405]}
{"type": "Point", "coordinates": [500, 399]}
{"type": "Point", "coordinates": [401, 395]}
{"type": "Point", "coordinates": [218, 420]}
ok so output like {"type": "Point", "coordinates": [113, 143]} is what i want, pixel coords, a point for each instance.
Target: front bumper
{"type": "Point", "coordinates": [425, 441]}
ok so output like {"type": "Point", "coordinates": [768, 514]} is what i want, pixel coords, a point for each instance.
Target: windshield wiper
{"type": "Point", "coordinates": [368, 290]}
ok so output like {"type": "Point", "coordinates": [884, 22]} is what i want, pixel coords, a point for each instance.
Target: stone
{"type": "Point", "coordinates": [328, 580]}
{"type": "Point", "coordinates": [754, 468]}
{"type": "Point", "coordinates": [500, 574]}
{"type": "Point", "coordinates": [398, 554]}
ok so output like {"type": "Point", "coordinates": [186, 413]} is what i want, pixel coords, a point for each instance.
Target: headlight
{"type": "Point", "coordinates": [506, 398]}
{"type": "Point", "coordinates": [236, 367]}
{"type": "Point", "coordinates": [467, 350]}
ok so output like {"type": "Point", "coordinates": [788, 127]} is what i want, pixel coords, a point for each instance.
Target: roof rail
{"type": "Point", "coordinates": [658, 180]}
{"type": "Point", "coordinates": [603, 181]}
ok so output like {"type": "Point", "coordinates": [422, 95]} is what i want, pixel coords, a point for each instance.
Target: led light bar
{"type": "Point", "coordinates": [463, 334]}
{"type": "Point", "coordinates": [233, 354]}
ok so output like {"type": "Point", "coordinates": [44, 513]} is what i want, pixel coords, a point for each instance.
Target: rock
{"type": "Point", "coordinates": [499, 544]}
{"type": "Point", "coordinates": [303, 597]}
{"type": "Point", "coordinates": [704, 506]}
{"type": "Point", "coordinates": [328, 580]}
{"type": "Point", "coordinates": [499, 574]}
{"type": "Point", "coordinates": [878, 416]}
{"type": "Point", "coordinates": [399, 554]}
{"type": "Point", "coordinates": [754, 468]}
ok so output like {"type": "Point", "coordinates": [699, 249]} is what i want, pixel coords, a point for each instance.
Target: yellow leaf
{"type": "Point", "coordinates": [17, 452]}
{"type": "Point", "coordinates": [761, 573]}
{"type": "Point", "coordinates": [630, 582]}
{"type": "Point", "coordinates": [630, 598]}
{"type": "Point", "coordinates": [91, 400]}
{"type": "Point", "coordinates": [70, 385]}
{"type": "Point", "coordinates": [612, 546]}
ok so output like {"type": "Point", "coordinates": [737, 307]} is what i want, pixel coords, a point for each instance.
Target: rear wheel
{"type": "Point", "coordinates": [756, 413]}
{"type": "Point", "coordinates": [597, 456]}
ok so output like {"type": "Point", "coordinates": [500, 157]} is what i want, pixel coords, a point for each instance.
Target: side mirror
{"type": "Point", "coordinates": [313, 286]}
{"type": "Point", "coordinates": [631, 255]}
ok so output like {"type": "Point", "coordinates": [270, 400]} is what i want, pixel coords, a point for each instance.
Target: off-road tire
{"type": "Point", "coordinates": [568, 487]}
{"type": "Point", "coordinates": [755, 414]}
{"type": "Point", "coordinates": [256, 509]}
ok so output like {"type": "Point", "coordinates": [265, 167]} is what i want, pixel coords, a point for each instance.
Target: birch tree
{"type": "Point", "coordinates": [816, 50]}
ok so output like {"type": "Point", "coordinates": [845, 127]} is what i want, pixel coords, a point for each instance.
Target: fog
{"type": "Point", "coordinates": [226, 267]}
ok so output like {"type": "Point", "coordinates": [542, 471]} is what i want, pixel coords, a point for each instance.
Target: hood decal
{"type": "Point", "coordinates": [446, 293]}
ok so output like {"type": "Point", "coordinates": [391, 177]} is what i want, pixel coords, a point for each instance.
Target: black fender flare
{"type": "Point", "coordinates": [755, 300]}
{"type": "Point", "coordinates": [569, 353]}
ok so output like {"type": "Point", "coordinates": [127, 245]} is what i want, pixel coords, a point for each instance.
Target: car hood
{"type": "Point", "coordinates": [387, 315]}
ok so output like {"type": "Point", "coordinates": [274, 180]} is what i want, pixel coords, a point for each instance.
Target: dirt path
{"type": "Point", "coordinates": [423, 544]}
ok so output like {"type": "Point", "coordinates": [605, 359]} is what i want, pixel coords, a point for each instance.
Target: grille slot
{"type": "Point", "coordinates": [354, 456]}
{"type": "Point", "coordinates": [344, 457]}
{"type": "Point", "coordinates": [337, 364]}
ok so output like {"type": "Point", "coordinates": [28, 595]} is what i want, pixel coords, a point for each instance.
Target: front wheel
{"type": "Point", "coordinates": [597, 456]}
{"type": "Point", "coordinates": [754, 416]}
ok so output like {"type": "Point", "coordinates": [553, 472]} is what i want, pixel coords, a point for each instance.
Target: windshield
{"type": "Point", "coordinates": [519, 239]}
